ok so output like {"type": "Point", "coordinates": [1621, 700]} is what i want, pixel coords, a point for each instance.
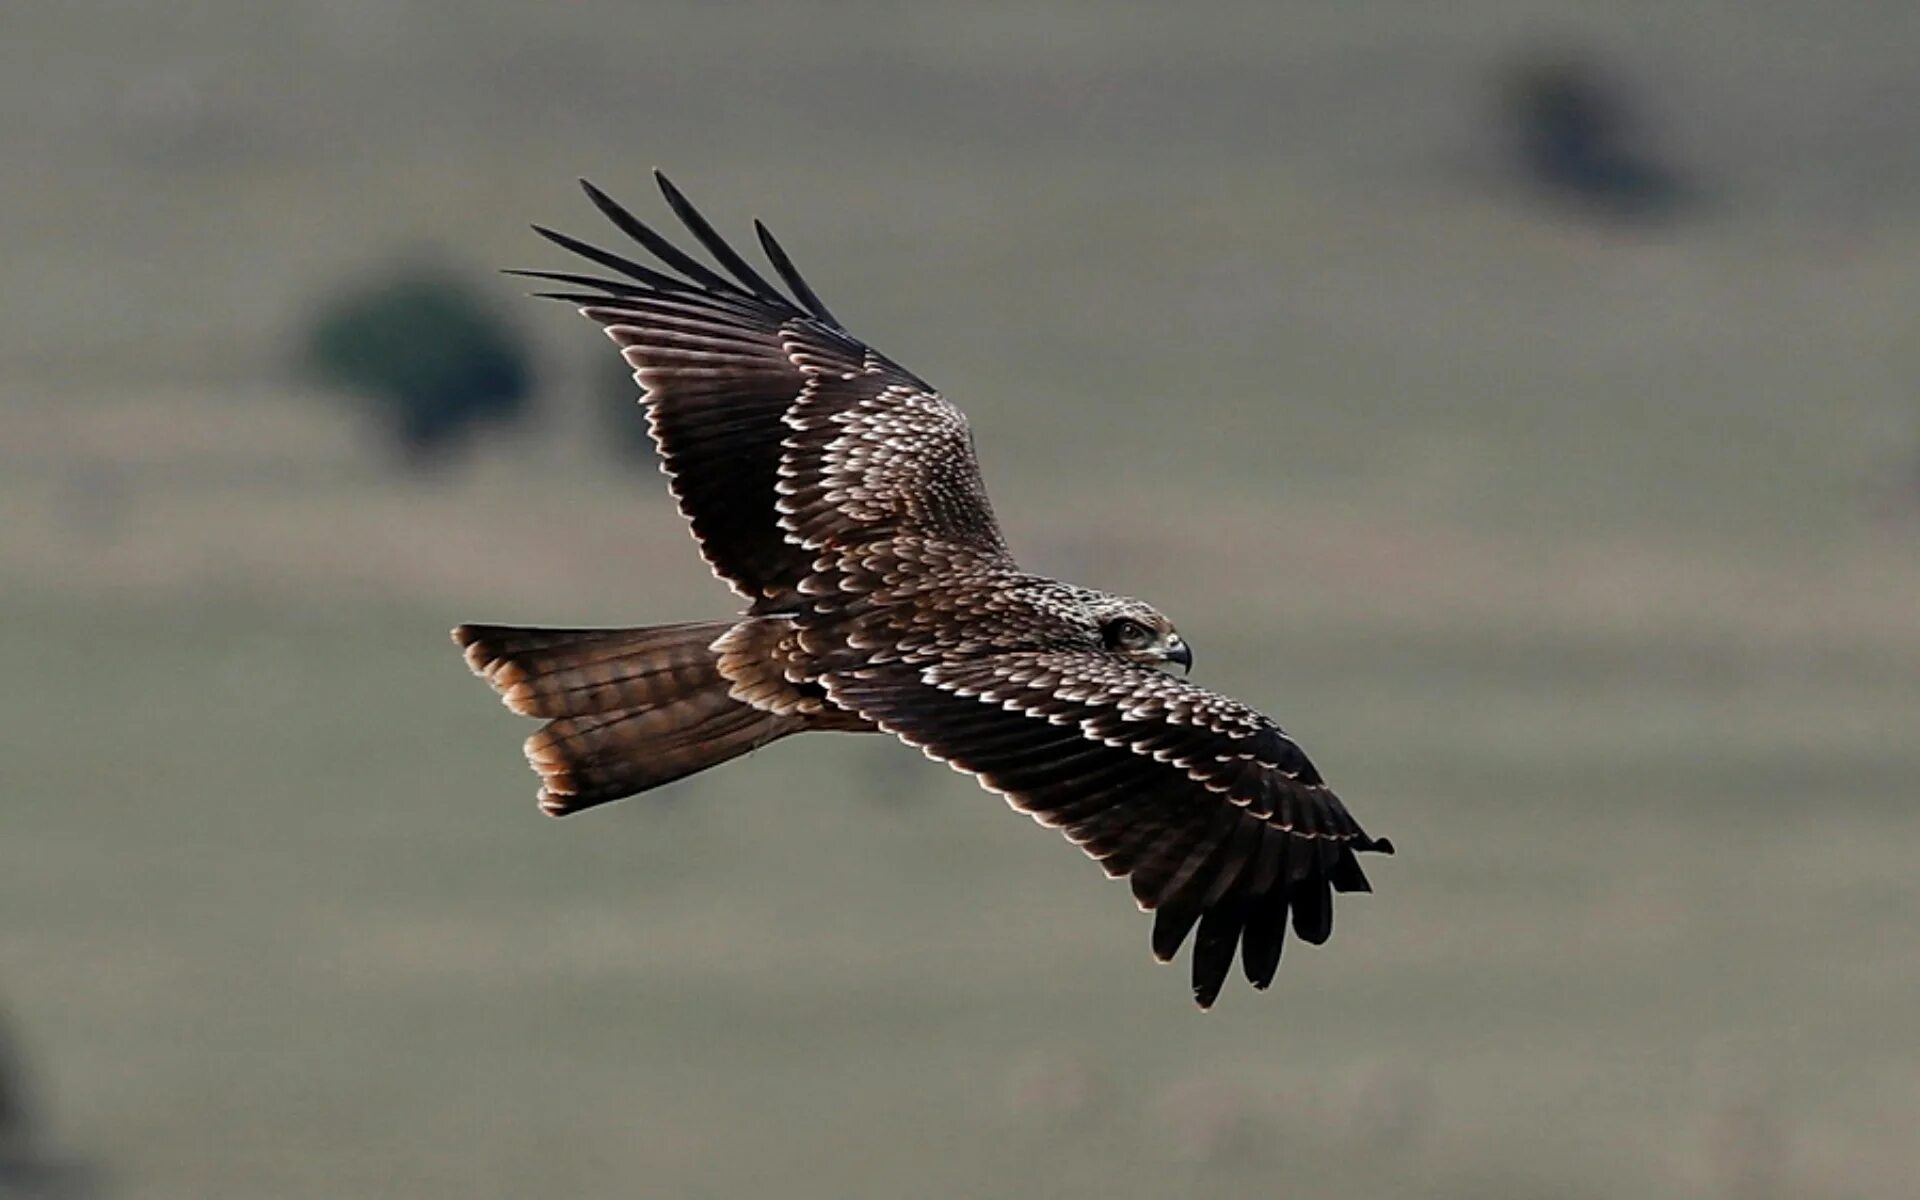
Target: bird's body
{"type": "Point", "coordinates": [839, 496]}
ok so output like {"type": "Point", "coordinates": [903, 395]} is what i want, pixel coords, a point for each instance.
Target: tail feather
{"type": "Point", "coordinates": [626, 709]}
{"type": "Point", "coordinates": [558, 672]}
{"type": "Point", "coordinates": [590, 760]}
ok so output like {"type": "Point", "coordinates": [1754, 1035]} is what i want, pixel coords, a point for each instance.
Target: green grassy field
{"type": "Point", "coordinates": [1579, 557]}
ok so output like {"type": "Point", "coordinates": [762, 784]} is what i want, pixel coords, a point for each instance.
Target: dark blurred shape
{"type": "Point", "coordinates": [437, 363]}
{"type": "Point", "coordinates": [16, 1125]}
{"type": "Point", "coordinates": [26, 1167]}
{"type": "Point", "coordinates": [622, 417]}
{"type": "Point", "coordinates": [1576, 137]}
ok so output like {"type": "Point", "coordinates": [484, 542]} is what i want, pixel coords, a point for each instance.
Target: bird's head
{"type": "Point", "coordinates": [1139, 633]}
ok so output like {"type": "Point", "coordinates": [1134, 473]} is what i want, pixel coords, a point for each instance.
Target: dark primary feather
{"type": "Point", "coordinates": [1213, 948]}
{"type": "Point", "coordinates": [1264, 939]}
{"type": "Point", "coordinates": [791, 274]}
{"type": "Point", "coordinates": [715, 244]}
{"type": "Point", "coordinates": [659, 246]}
{"type": "Point", "coordinates": [613, 262]}
{"type": "Point", "coordinates": [610, 287]}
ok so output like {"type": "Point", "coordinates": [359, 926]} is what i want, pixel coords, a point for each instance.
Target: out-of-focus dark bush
{"type": "Point", "coordinates": [1576, 136]}
{"type": "Point", "coordinates": [16, 1123]}
{"type": "Point", "coordinates": [437, 364]}
{"type": "Point", "coordinates": [27, 1169]}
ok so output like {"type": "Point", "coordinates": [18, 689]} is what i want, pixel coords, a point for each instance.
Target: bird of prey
{"type": "Point", "coordinates": [837, 494]}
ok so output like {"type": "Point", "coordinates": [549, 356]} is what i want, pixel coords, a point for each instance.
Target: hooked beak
{"type": "Point", "coordinates": [1181, 653]}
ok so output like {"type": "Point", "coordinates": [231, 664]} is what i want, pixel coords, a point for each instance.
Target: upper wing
{"type": "Point", "coordinates": [1212, 811]}
{"type": "Point", "coordinates": [780, 433]}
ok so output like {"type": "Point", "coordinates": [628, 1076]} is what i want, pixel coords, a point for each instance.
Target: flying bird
{"type": "Point", "coordinates": [838, 495]}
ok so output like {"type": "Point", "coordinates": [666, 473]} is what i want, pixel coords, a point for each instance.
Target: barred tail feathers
{"type": "Point", "coordinates": [627, 709]}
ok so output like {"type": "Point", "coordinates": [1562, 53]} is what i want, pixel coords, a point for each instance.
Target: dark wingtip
{"type": "Point", "coordinates": [600, 199]}
{"type": "Point", "coordinates": [1171, 925]}
{"type": "Point", "coordinates": [605, 203]}
{"type": "Point", "coordinates": [722, 251]}
{"type": "Point", "coordinates": [1312, 903]}
{"type": "Point", "coordinates": [1213, 947]}
{"type": "Point", "coordinates": [782, 263]}
{"type": "Point", "coordinates": [1264, 940]}
{"type": "Point", "coordinates": [746, 285]}
{"type": "Point", "coordinates": [562, 240]}
{"type": "Point", "coordinates": [658, 246]}
{"type": "Point", "coordinates": [675, 197]}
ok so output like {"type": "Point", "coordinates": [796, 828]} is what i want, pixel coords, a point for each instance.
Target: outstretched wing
{"type": "Point", "coordinates": [780, 433]}
{"type": "Point", "coordinates": [1214, 815]}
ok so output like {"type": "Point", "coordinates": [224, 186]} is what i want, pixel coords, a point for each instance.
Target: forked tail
{"type": "Point", "coordinates": [626, 709]}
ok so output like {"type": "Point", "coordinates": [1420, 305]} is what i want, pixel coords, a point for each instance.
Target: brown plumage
{"type": "Point", "coordinates": [626, 709]}
{"type": "Point", "coordinates": [838, 495]}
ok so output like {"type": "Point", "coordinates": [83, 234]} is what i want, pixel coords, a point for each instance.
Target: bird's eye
{"type": "Point", "coordinates": [1127, 634]}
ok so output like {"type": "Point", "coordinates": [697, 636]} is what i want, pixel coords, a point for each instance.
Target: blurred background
{"type": "Point", "coordinates": [1517, 402]}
